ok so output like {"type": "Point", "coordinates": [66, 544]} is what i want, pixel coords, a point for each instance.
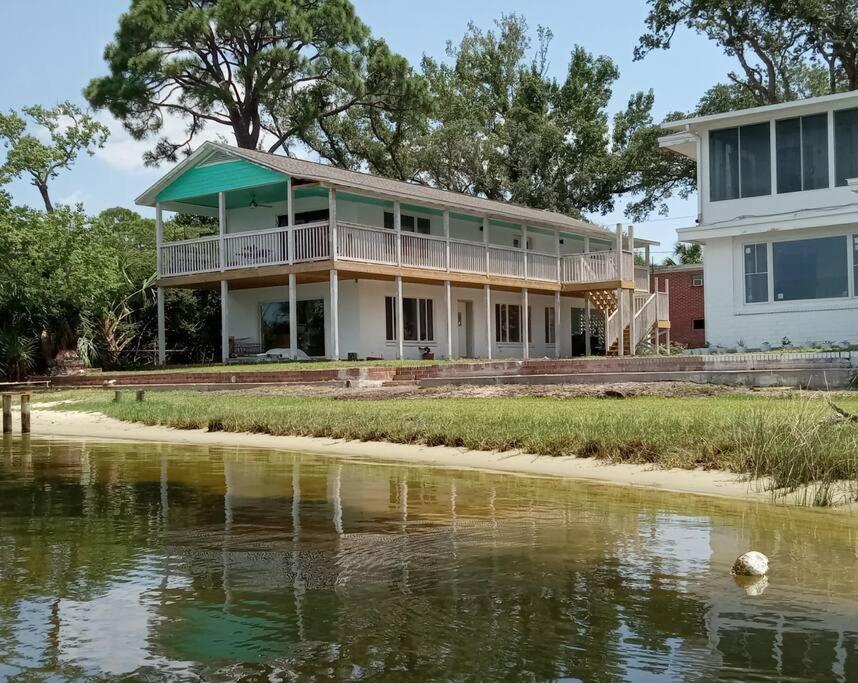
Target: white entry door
{"type": "Point", "coordinates": [464, 324]}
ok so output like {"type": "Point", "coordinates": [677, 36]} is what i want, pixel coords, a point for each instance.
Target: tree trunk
{"type": "Point", "coordinates": [43, 190]}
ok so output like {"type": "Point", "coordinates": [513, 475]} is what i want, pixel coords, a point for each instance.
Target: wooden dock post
{"type": "Point", "coordinates": [7, 413]}
{"type": "Point", "coordinates": [140, 395]}
{"type": "Point", "coordinates": [25, 413]}
{"type": "Point", "coordinates": [117, 396]}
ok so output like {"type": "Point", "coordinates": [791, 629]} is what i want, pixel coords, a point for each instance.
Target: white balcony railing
{"type": "Point", "coordinates": [423, 251]}
{"type": "Point", "coordinates": [367, 244]}
{"type": "Point", "coordinates": [596, 266]}
{"type": "Point", "coordinates": [642, 278]}
{"type": "Point", "coordinates": [200, 255]}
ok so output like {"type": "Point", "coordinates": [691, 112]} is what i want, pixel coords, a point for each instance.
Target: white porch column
{"type": "Point", "coordinates": [557, 255]}
{"type": "Point", "coordinates": [224, 321]}
{"type": "Point", "coordinates": [221, 225]}
{"type": "Point", "coordinates": [290, 223]}
{"type": "Point", "coordinates": [656, 332]}
{"type": "Point", "coordinates": [400, 325]}
{"type": "Point", "coordinates": [525, 324]}
{"type": "Point", "coordinates": [335, 316]}
{"type": "Point", "coordinates": [619, 248]}
{"type": "Point", "coordinates": [162, 330]}
{"type": "Point", "coordinates": [332, 221]}
{"type": "Point", "coordinates": [159, 239]}
{"type": "Point", "coordinates": [447, 239]}
{"type": "Point", "coordinates": [293, 315]}
{"type": "Point", "coordinates": [667, 292]}
{"type": "Point", "coordinates": [633, 345]}
{"type": "Point", "coordinates": [524, 247]}
{"type": "Point", "coordinates": [397, 227]}
{"type": "Point", "coordinates": [448, 305]}
{"type": "Point", "coordinates": [488, 320]}
{"type": "Point", "coordinates": [486, 241]}
{"type": "Point", "coordinates": [621, 340]}
{"type": "Point", "coordinates": [557, 350]}
{"type": "Point", "coordinates": [587, 310]}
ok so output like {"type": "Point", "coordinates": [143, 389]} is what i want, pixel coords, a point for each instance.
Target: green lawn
{"type": "Point", "coordinates": [790, 439]}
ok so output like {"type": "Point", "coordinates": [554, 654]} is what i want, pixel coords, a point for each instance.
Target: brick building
{"type": "Point", "coordinates": [687, 323]}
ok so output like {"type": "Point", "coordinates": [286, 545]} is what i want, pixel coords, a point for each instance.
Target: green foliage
{"type": "Point", "coordinates": [284, 68]}
{"type": "Point", "coordinates": [17, 353]}
{"type": "Point", "coordinates": [70, 131]}
{"type": "Point", "coordinates": [785, 49]}
{"type": "Point", "coordinates": [501, 128]}
{"type": "Point", "coordinates": [685, 254]}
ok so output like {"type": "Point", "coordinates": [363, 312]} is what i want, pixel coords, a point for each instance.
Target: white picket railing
{"type": "Point", "coordinates": [596, 266]}
{"type": "Point", "coordinates": [645, 317]}
{"type": "Point", "coordinates": [368, 244]}
{"type": "Point", "coordinates": [541, 266]}
{"type": "Point", "coordinates": [506, 262]}
{"type": "Point", "coordinates": [467, 257]}
{"type": "Point", "coordinates": [642, 278]}
{"type": "Point", "coordinates": [201, 255]}
{"type": "Point", "coordinates": [423, 251]}
{"type": "Point", "coordinates": [257, 248]}
{"type": "Point", "coordinates": [362, 243]}
{"type": "Point", "coordinates": [312, 242]}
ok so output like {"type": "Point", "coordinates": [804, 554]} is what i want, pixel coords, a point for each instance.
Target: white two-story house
{"type": "Point", "coordinates": [778, 220]}
{"type": "Point", "coordinates": [367, 267]}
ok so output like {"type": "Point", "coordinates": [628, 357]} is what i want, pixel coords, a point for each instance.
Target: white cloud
{"type": "Point", "coordinates": [124, 153]}
{"type": "Point", "coordinates": [76, 197]}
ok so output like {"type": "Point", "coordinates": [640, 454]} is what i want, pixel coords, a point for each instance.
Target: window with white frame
{"type": "Point", "coordinates": [549, 325]}
{"type": "Point", "coordinates": [810, 269]}
{"type": "Point", "coordinates": [845, 145]}
{"type": "Point", "coordinates": [418, 319]}
{"type": "Point", "coordinates": [802, 153]}
{"type": "Point", "coordinates": [697, 281]}
{"type": "Point", "coordinates": [508, 323]}
{"type": "Point", "coordinates": [756, 273]}
{"type": "Point", "coordinates": [740, 163]}
{"type": "Point", "coordinates": [409, 223]}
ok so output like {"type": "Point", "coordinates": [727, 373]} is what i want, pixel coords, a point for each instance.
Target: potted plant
{"type": "Point", "coordinates": [426, 353]}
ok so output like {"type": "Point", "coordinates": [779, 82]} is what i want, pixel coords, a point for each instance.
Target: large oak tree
{"type": "Point", "coordinates": [268, 70]}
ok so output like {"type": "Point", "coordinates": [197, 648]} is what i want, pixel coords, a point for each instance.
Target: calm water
{"type": "Point", "coordinates": [163, 562]}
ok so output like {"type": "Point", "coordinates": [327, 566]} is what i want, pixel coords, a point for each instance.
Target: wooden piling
{"type": "Point", "coordinates": [25, 413]}
{"type": "Point", "coordinates": [7, 413]}
{"type": "Point", "coordinates": [117, 396]}
{"type": "Point", "coordinates": [140, 395]}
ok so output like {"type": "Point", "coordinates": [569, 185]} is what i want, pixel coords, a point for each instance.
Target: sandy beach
{"type": "Point", "coordinates": [81, 425]}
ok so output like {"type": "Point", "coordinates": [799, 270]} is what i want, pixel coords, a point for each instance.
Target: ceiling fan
{"type": "Point", "coordinates": [254, 204]}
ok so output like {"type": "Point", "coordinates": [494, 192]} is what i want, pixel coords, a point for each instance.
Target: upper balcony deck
{"type": "Point", "coordinates": [354, 246]}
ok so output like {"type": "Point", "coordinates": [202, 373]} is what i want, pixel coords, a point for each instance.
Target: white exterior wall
{"type": "Point", "coordinates": [362, 318]}
{"type": "Point", "coordinates": [729, 318]}
{"type": "Point", "coordinates": [726, 226]}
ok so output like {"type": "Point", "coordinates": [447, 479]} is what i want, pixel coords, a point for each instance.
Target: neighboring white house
{"type": "Point", "coordinates": [778, 219]}
{"type": "Point", "coordinates": [375, 268]}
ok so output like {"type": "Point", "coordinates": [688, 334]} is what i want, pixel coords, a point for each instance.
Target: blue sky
{"type": "Point", "coordinates": [51, 48]}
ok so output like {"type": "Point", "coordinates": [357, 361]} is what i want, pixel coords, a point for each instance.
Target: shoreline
{"type": "Point", "coordinates": [717, 483]}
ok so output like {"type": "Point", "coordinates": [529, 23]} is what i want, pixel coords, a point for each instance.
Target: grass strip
{"type": "Point", "coordinates": [790, 442]}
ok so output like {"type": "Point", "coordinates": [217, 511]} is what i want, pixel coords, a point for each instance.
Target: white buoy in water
{"type": "Point", "coordinates": [751, 564]}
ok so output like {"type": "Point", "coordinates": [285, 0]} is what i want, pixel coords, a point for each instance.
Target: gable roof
{"type": "Point", "coordinates": [376, 185]}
